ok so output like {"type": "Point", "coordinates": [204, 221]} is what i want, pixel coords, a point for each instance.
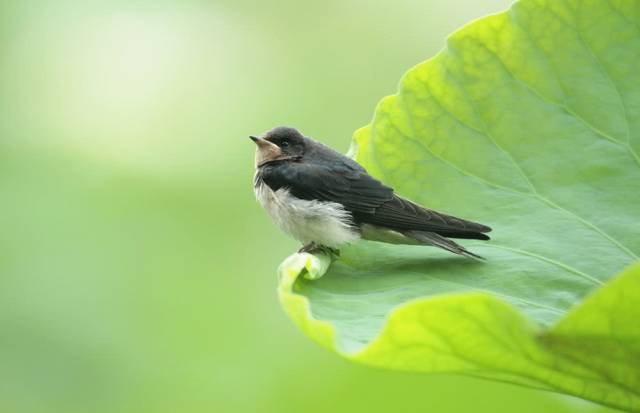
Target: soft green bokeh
{"type": "Point", "coordinates": [136, 269]}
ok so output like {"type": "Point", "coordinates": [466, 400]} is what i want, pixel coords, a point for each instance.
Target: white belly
{"type": "Point", "coordinates": [324, 223]}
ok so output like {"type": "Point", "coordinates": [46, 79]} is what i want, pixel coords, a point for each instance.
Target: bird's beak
{"type": "Point", "coordinates": [266, 151]}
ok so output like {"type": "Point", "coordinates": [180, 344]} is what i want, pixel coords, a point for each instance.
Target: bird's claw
{"type": "Point", "coordinates": [313, 248]}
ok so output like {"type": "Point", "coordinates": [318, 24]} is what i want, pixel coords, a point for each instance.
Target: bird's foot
{"type": "Point", "coordinates": [313, 248]}
{"type": "Point", "coordinates": [308, 248]}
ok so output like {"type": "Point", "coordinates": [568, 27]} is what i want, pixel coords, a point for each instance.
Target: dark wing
{"type": "Point", "coordinates": [404, 215]}
{"type": "Point", "coordinates": [367, 199]}
{"type": "Point", "coordinates": [347, 184]}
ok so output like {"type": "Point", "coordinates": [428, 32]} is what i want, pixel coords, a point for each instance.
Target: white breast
{"type": "Point", "coordinates": [325, 223]}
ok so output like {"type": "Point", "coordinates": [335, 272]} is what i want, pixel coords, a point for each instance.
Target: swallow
{"type": "Point", "coordinates": [327, 200]}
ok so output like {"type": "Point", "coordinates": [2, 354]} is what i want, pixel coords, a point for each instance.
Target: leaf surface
{"type": "Point", "coordinates": [528, 121]}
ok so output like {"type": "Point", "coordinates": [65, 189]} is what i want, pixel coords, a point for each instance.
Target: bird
{"type": "Point", "coordinates": [326, 200]}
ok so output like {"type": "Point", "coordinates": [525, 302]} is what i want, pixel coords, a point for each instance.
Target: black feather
{"type": "Point", "coordinates": [369, 201]}
{"type": "Point", "coordinates": [401, 214]}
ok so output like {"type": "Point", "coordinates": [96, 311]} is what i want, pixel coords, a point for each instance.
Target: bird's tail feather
{"type": "Point", "coordinates": [431, 238]}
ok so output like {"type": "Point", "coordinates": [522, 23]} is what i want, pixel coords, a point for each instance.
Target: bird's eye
{"type": "Point", "coordinates": [284, 143]}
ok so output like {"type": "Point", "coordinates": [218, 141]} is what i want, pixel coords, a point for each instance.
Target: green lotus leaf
{"type": "Point", "coordinates": [528, 121]}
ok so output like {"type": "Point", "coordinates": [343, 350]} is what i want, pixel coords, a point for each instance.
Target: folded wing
{"type": "Point", "coordinates": [367, 199]}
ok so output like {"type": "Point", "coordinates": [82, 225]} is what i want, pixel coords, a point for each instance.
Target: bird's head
{"type": "Point", "coordinates": [279, 144]}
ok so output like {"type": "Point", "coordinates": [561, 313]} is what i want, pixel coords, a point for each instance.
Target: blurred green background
{"type": "Point", "coordinates": [137, 272]}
